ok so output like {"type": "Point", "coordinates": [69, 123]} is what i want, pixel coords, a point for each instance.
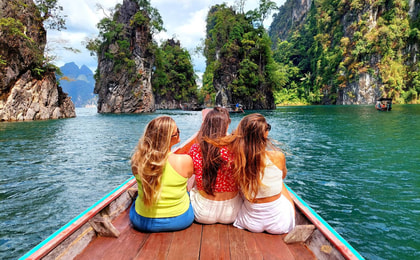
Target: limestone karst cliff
{"type": "Point", "coordinates": [348, 52]}
{"type": "Point", "coordinates": [238, 58]}
{"type": "Point", "coordinates": [28, 87]}
{"type": "Point", "coordinates": [125, 63]}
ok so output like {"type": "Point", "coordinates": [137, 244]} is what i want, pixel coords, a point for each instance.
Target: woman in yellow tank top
{"type": "Point", "coordinates": [163, 203]}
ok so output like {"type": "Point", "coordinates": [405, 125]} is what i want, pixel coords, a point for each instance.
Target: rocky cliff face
{"type": "Point", "coordinates": [365, 90]}
{"type": "Point", "coordinates": [296, 11]}
{"type": "Point", "coordinates": [28, 88]}
{"type": "Point", "coordinates": [173, 79]}
{"type": "Point", "coordinates": [126, 87]}
{"type": "Point", "coordinates": [413, 49]}
{"type": "Point", "coordinates": [369, 70]}
{"type": "Point", "coordinates": [368, 87]}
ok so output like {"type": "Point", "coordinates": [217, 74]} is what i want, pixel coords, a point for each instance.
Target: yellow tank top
{"type": "Point", "coordinates": [173, 200]}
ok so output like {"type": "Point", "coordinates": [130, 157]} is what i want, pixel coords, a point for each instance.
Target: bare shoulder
{"type": "Point", "coordinates": [180, 159]}
{"type": "Point", "coordinates": [276, 156]}
{"type": "Point", "coordinates": [185, 158]}
{"type": "Point", "coordinates": [182, 163]}
{"type": "Point", "coordinates": [279, 160]}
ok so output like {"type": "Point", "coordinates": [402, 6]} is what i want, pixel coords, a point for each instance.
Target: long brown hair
{"type": "Point", "coordinates": [150, 156]}
{"type": "Point", "coordinates": [214, 126]}
{"type": "Point", "coordinates": [248, 144]}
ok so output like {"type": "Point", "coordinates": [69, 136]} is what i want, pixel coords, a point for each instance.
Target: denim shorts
{"type": "Point", "coordinates": [144, 224]}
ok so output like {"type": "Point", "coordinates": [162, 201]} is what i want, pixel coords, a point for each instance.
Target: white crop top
{"type": "Point", "coordinates": [272, 181]}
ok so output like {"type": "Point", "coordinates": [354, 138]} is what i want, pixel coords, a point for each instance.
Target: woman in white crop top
{"type": "Point", "coordinates": [259, 174]}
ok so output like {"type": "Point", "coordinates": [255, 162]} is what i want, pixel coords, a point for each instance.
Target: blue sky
{"type": "Point", "coordinates": [183, 20]}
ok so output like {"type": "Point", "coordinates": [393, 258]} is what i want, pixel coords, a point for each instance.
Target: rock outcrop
{"type": "Point", "coordinates": [28, 87]}
{"type": "Point", "coordinates": [124, 73]}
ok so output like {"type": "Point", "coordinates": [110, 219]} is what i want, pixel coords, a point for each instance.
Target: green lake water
{"type": "Point", "coordinates": [358, 168]}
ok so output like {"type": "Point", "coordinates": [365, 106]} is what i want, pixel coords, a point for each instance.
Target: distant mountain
{"type": "Point", "coordinates": [79, 84]}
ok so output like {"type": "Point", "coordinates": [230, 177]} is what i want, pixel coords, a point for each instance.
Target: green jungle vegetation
{"type": "Point", "coordinates": [321, 56]}
{"type": "Point", "coordinates": [237, 44]}
{"type": "Point", "coordinates": [174, 76]}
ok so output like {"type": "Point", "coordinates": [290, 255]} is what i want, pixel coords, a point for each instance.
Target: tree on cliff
{"type": "Point", "coordinates": [240, 67]}
{"type": "Point", "coordinates": [173, 78]}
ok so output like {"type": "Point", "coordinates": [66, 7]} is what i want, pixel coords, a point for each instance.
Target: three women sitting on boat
{"type": "Point", "coordinates": [237, 179]}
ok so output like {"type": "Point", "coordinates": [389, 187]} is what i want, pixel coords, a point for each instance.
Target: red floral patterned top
{"type": "Point", "coordinates": [224, 181]}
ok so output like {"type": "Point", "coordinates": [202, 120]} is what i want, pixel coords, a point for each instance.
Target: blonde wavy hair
{"type": "Point", "coordinates": [150, 156]}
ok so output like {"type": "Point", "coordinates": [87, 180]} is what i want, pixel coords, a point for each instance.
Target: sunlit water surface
{"type": "Point", "coordinates": [356, 167]}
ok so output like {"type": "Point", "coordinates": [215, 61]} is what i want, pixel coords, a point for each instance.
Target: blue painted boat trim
{"type": "Point", "coordinates": [40, 245]}
{"type": "Point", "coordinates": [339, 237]}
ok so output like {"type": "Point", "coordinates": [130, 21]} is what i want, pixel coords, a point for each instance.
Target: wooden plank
{"type": "Point", "coordinates": [186, 243]}
{"type": "Point", "coordinates": [299, 234]}
{"type": "Point", "coordinates": [122, 222]}
{"type": "Point", "coordinates": [322, 248]}
{"type": "Point", "coordinates": [74, 244]}
{"type": "Point", "coordinates": [103, 226]}
{"type": "Point", "coordinates": [243, 244]}
{"type": "Point", "coordinates": [272, 246]}
{"type": "Point", "coordinates": [126, 246]}
{"type": "Point", "coordinates": [301, 252]}
{"type": "Point", "coordinates": [215, 242]}
{"type": "Point", "coordinates": [156, 247]}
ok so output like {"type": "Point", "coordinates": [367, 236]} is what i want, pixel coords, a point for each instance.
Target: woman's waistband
{"type": "Point", "coordinates": [267, 199]}
{"type": "Point", "coordinates": [219, 196]}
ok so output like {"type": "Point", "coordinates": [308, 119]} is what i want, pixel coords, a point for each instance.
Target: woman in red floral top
{"type": "Point", "coordinates": [215, 197]}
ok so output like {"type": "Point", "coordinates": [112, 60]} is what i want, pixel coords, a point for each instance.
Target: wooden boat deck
{"type": "Point", "coordinates": [216, 241]}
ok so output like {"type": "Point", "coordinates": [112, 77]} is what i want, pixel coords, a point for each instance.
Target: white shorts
{"type": "Point", "coordinates": [211, 211]}
{"type": "Point", "coordinates": [276, 217]}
